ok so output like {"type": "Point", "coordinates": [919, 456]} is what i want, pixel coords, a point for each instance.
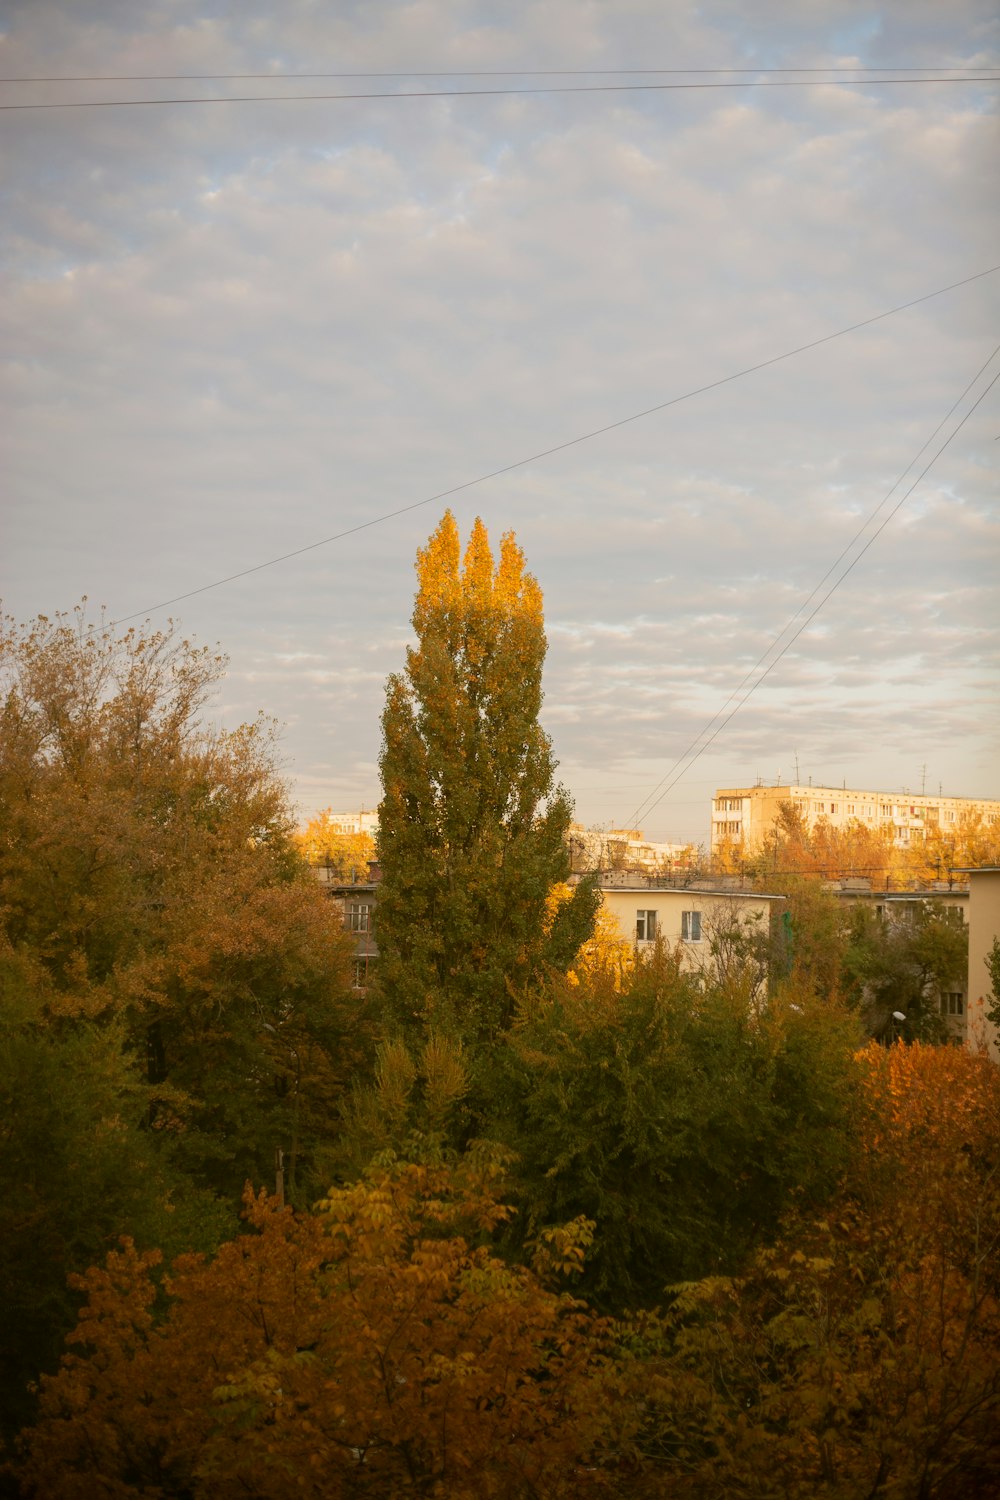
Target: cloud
{"type": "Point", "coordinates": [232, 330]}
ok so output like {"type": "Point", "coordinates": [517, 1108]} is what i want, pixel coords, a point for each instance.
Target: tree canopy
{"type": "Point", "coordinates": [472, 827]}
{"type": "Point", "coordinates": [173, 982]}
{"type": "Point", "coordinates": [147, 868]}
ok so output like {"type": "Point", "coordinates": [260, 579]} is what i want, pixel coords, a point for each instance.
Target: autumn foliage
{"type": "Point", "coordinates": [531, 1114]}
{"type": "Point", "coordinates": [860, 1355]}
{"type": "Point", "coordinates": [376, 1347]}
{"type": "Point", "coordinates": [381, 1347]}
{"type": "Point", "coordinates": [473, 830]}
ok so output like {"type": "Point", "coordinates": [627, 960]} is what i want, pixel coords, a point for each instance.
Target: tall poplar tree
{"type": "Point", "coordinates": [472, 828]}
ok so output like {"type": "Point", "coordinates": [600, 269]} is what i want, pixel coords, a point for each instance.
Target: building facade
{"type": "Point", "coordinates": [356, 900]}
{"type": "Point", "coordinates": [747, 815]}
{"type": "Point", "coordinates": [984, 931]}
{"type": "Point", "coordinates": [688, 917]}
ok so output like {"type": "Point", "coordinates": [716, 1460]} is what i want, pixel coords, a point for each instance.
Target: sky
{"type": "Point", "coordinates": [229, 331]}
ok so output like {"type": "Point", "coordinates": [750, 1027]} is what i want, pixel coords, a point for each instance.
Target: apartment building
{"type": "Point", "coordinates": [624, 849]}
{"type": "Point", "coordinates": [353, 822]}
{"type": "Point", "coordinates": [748, 814]}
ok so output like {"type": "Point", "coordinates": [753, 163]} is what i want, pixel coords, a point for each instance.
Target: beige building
{"type": "Point", "coordinates": [748, 814]}
{"type": "Point", "coordinates": [688, 916]}
{"type": "Point", "coordinates": [984, 929]}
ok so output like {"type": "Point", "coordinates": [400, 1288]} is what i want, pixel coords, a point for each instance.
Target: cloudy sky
{"type": "Point", "coordinates": [230, 330]}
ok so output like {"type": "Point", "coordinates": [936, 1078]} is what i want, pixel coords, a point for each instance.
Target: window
{"type": "Point", "coordinates": [645, 926]}
{"type": "Point", "coordinates": [691, 926]}
{"type": "Point", "coordinates": [358, 916]}
{"type": "Point", "coordinates": [953, 1004]}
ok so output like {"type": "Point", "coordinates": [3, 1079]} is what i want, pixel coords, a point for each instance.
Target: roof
{"type": "Point", "coordinates": [687, 890]}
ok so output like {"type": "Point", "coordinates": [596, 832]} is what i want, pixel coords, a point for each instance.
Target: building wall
{"type": "Point", "coordinates": [674, 912]}
{"type": "Point", "coordinates": [750, 813]}
{"type": "Point", "coordinates": [984, 927]}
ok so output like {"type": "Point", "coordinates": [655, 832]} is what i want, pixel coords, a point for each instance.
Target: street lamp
{"type": "Point", "coordinates": [897, 1016]}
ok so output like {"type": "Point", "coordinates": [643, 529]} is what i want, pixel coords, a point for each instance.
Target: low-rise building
{"type": "Point", "coordinates": [694, 916]}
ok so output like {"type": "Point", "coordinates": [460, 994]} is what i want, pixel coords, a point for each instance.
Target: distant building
{"type": "Point", "coordinates": [353, 822]}
{"type": "Point", "coordinates": [624, 849]}
{"type": "Point", "coordinates": [748, 814]}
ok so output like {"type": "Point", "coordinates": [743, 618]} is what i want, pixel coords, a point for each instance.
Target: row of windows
{"type": "Point", "coordinates": [646, 924]}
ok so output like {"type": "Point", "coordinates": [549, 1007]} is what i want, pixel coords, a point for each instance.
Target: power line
{"type": "Point", "coordinates": [596, 88]}
{"type": "Point", "coordinates": [832, 590]}
{"type": "Point", "coordinates": [642, 808]}
{"type": "Point", "coordinates": [584, 437]}
{"type": "Point", "coordinates": [277, 74]}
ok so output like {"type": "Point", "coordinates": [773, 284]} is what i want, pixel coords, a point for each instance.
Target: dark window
{"type": "Point", "coordinates": [645, 926]}
{"type": "Point", "coordinates": [359, 916]}
{"type": "Point", "coordinates": [691, 926]}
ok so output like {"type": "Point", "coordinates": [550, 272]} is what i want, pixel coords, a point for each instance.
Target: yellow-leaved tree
{"type": "Point", "coordinates": [323, 841]}
{"type": "Point", "coordinates": [473, 830]}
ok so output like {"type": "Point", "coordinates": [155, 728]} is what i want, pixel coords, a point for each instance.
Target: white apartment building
{"type": "Point", "coordinates": [353, 822]}
{"type": "Point", "coordinates": [623, 849]}
{"type": "Point", "coordinates": [748, 814]}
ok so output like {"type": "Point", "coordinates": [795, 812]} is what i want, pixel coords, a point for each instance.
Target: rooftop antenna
{"type": "Point", "coordinates": [796, 768]}
{"type": "Point", "coordinates": [923, 780]}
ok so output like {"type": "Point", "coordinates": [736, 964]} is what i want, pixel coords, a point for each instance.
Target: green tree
{"type": "Point", "coordinates": [680, 1115]}
{"type": "Point", "coordinates": [902, 962]}
{"type": "Point", "coordinates": [147, 871]}
{"type": "Point", "coordinates": [77, 1170]}
{"type": "Point", "coordinates": [473, 832]}
{"type": "Point", "coordinates": [993, 968]}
